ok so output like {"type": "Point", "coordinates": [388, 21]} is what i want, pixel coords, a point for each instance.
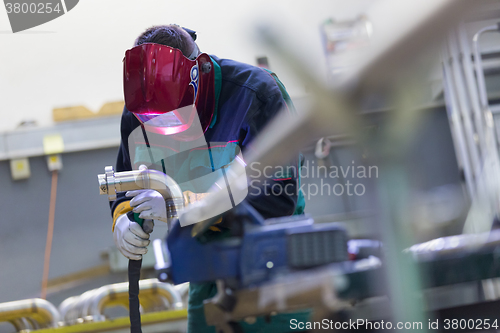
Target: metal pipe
{"type": "Point", "coordinates": [74, 310]}
{"type": "Point", "coordinates": [21, 324]}
{"type": "Point", "coordinates": [67, 305]}
{"type": "Point", "coordinates": [90, 305]}
{"type": "Point", "coordinates": [488, 181]}
{"type": "Point", "coordinates": [39, 310]}
{"type": "Point", "coordinates": [483, 97]}
{"type": "Point", "coordinates": [463, 109]}
{"type": "Point", "coordinates": [110, 183]}
{"type": "Point", "coordinates": [84, 304]}
{"type": "Point", "coordinates": [489, 130]}
{"type": "Point", "coordinates": [117, 294]}
{"type": "Point", "coordinates": [471, 85]}
{"type": "Point", "coordinates": [456, 127]}
{"type": "Point", "coordinates": [33, 323]}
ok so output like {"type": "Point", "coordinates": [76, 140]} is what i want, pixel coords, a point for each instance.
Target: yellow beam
{"type": "Point", "coordinates": [122, 322]}
{"type": "Point", "coordinates": [82, 112]}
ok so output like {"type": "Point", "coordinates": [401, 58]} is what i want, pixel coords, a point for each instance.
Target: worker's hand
{"type": "Point", "coordinates": [149, 203]}
{"type": "Point", "coordinates": [129, 238]}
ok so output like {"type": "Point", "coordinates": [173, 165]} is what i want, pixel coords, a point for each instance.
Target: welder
{"type": "Point", "coordinates": [188, 114]}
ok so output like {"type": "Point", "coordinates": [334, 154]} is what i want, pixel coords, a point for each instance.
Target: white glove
{"type": "Point", "coordinates": [129, 238]}
{"type": "Point", "coordinates": [149, 203]}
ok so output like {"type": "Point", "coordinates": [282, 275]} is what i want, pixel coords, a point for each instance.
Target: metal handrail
{"type": "Point", "coordinates": [30, 312]}
{"type": "Point", "coordinates": [90, 306]}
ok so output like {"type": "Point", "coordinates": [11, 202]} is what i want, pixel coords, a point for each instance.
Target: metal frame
{"type": "Point", "coordinates": [472, 125]}
{"type": "Point", "coordinates": [385, 65]}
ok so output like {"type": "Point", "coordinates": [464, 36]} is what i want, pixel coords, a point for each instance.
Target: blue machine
{"type": "Point", "coordinates": [253, 251]}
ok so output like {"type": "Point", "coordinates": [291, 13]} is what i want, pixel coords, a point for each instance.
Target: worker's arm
{"type": "Point", "coordinates": [122, 203]}
{"type": "Point", "coordinates": [275, 194]}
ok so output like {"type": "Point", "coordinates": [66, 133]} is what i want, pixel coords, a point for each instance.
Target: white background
{"type": "Point", "coordinates": [76, 59]}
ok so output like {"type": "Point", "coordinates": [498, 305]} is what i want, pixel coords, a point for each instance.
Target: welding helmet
{"type": "Point", "coordinates": [166, 91]}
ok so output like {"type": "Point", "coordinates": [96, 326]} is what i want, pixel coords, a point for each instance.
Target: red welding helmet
{"type": "Point", "coordinates": [159, 82]}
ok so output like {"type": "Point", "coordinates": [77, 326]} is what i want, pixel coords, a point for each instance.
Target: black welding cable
{"type": "Point", "coordinates": [134, 274]}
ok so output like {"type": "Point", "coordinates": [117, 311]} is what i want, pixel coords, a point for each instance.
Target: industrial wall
{"type": "Point", "coordinates": [82, 227]}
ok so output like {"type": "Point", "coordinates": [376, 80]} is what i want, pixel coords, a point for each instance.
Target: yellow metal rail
{"type": "Point", "coordinates": [120, 323]}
